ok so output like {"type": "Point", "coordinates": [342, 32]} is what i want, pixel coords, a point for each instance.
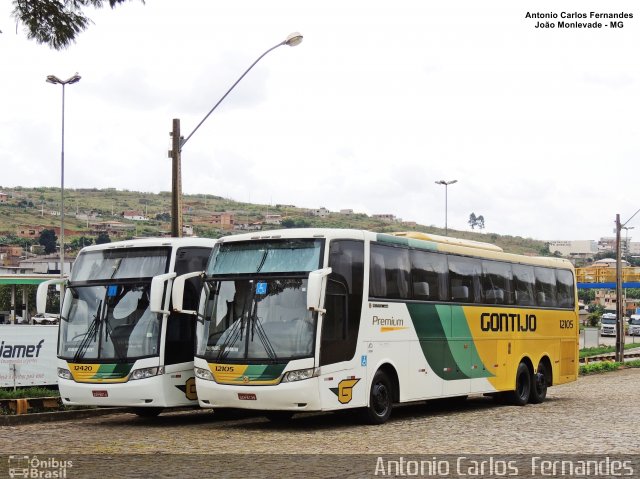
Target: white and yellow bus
{"type": "Point", "coordinates": [327, 319]}
{"type": "Point", "coordinates": [118, 343]}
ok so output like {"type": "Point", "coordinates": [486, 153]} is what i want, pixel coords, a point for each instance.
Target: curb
{"type": "Point", "coordinates": [20, 419]}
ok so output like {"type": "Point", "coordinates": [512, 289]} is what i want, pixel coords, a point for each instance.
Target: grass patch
{"type": "Point", "coordinates": [587, 352]}
{"type": "Point", "coordinates": [29, 392]}
{"type": "Point", "coordinates": [604, 366]}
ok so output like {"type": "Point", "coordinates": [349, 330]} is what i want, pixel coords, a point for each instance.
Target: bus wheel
{"type": "Point", "coordinates": [380, 400]}
{"type": "Point", "coordinates": [520, 396]}
{"type": "Point", "coordinates": [147, 411]}
{"type": "Point", "coordinates": [539, 385]}
{"type": "Point", "coordinates": [279, 416]}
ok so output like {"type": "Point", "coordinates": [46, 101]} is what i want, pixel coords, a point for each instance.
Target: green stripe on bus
{"type": "Point", "coordinates": [410, 242]}
{"type": "Point", "coordinates": [450, 354]}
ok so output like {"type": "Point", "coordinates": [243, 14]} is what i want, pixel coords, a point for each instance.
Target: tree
{"type": "Point", "coordinates": [103, 238]}
{"type": "Point", "coordinates": [480, 222]}
{"type": "Point", "coordinates": [473, 221]}
{"type": "Point", "coordinates": [56, 22]}
{"type": "Point", "coordinates": [48, 239]}
{"type": "Point", "coordinates": [81, 242]}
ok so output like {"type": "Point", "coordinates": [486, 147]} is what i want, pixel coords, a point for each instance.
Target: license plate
{"type": "Point", "coordinates": [100, 394]}
{"type": "Point", "coordinates": [246, 396]}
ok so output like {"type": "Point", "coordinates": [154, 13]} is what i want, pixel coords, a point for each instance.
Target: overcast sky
{"type": "Point", "coordinates": [541, 128]}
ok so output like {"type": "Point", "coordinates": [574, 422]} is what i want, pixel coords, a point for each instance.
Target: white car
{"type": "Point", "coordinates": [608, 324]}
{"type": "Point", "coordinates": [634, 325]}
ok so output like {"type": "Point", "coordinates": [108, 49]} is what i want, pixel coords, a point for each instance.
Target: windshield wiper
{"type": "Point", "coordinates": [87, 340]}
{"type": "Point", "coordinates": [256, 326]}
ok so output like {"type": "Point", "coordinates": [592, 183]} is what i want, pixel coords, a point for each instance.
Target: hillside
{"type": "Point", "coordinates": [39, 207]}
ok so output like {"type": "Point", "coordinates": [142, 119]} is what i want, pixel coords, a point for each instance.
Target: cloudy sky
{"type": "Point", "coordinates": [541, 127]}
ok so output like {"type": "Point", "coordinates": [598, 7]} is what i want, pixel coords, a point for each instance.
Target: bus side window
{"type": "Point", "coordinates": [390, 272]}
{"type": "Point", "coordinates": [546, 288]}
{"type": "Point", "coordinates": [525, 284]}
{"type": "Point", "coordinates": [464, 277]}
{"type": "Point", "coordinates": [343, 301]}
{"type": "Point", "coordinates": [429, 276]}
{"type": "Point", "coordinates": [566, 295]}
{"type": "Point", "coordinates": [496, 282]}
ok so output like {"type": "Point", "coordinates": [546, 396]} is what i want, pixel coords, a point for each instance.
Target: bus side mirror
{"type": "Point", "coordinates": [43, 290]}
{"type": "Point", "coordinates": [177, 292]}
{"type": "Point", "coordinates": [157, 296]}
{"type": "Point", "coordinates": [315, 287]}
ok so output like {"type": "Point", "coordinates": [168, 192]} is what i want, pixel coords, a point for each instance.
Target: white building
{"type": "Point", "coordinates": [574, 249]}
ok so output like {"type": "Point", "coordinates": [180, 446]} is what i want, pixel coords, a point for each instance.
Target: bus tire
{"type": "Point", "coordinates": [520, 395]}
{"type": "Point", "coordinates": [380, 400]}
{"type": "Point", "coordinates": [147, 412]}
{"type": "Point", "coordinates": [539, 385]}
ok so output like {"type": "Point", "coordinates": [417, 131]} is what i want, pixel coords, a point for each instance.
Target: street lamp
{"type": "Point", "coordinates": [178, 142]}
{"type": "Point", "coordinates": [56, 81]}
{"type": "Point", "coordinates": [446, 187]}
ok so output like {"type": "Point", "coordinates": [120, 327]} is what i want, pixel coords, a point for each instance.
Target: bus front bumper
{"type": "Point", "coordinates": [302, 396]}
{"type": "Point", "coordinates": [148, 392]}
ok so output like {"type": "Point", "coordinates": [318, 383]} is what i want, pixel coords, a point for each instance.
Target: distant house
{"type": "Point", "coordinates": [224, 220]}
{"type": "Point", "coordinates": [134, 216]}
{"type": "Point", "coordinates": [346, 212]}
{"type": "Point", "coordinates": [187, 230]}
{"type": "Point", "coordinates": [112, 228]}
{"type": "Point", "coordinates": [3, 197]}
{"type": "Point", "coordinates": [321, 212]}
{"type": "Point", "coordinates": [29, 231]}
{"type": "Point", "coordinates": [272, 219]}
{"type": "Point", "coordinates": [385, 217]}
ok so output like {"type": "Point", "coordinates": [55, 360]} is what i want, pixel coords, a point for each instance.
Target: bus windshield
{"type": "Point", "coordinates": [254, 301]}
{"type": "Point", "coordinates": [108, 322]}
{"type": "Point", "coordinates": [106, 313]}
{"type": "Point", "coordinates": [265, 320]}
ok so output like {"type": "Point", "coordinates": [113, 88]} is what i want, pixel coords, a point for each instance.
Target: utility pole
{"type": "Point", "coordinates": [176, 182]}
{"type": "Point", "coordinates": [619, 299]}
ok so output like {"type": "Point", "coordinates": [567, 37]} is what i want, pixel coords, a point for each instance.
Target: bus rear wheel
{"type": "Point", "coordinates": [539, 385]}
{"type": "Point", "coordinates": [520, 395]}
{"type": "Point", "coordinates": [380, 400]}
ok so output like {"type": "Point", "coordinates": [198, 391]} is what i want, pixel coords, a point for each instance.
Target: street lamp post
{"type": "Point", "coordinates": [56, 81]}
{"type": "Point", "coordinates": [177, 142]}
{"type": "Point", "coordinates": [446, 187]}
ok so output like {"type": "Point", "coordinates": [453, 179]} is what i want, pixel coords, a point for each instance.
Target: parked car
{"type": "Point", "coordinates": [634, 325]}
{"type": "Point", "coordinates": [45, 318]}
{"type": "Point", "coordinates": [608, 324]}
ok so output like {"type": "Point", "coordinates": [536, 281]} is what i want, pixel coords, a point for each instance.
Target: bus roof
{"type": "Point", "coordinates": [152, 242]}
{"type": "Point", "coordinates": [448, 240]}
{"type": "Point", "coordinates": [412, 239]}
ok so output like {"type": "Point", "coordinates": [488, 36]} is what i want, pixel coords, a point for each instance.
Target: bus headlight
{"type": "Point", "coordinates": [146, 373]}
{"type": "Point", "coordinates": [203, 374]}
{"type": "Point", "coordinates": [64, 373]}
{"type": "Point", "coordinates": [299, 375]}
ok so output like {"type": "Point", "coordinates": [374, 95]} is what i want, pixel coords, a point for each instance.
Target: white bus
{"type": "Point", "coordinates": [115, 346]}
{"type": "Point", "coordinates": [326, 319]}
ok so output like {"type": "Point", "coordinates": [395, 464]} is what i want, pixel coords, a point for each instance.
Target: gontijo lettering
{"type": "Point", "coordinates": [508, 322]}
{"type": "Point", "coordinates": [20, 350]}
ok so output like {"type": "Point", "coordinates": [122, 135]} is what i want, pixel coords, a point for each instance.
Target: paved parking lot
{"type": "Point", "coordinates": [588, 416]}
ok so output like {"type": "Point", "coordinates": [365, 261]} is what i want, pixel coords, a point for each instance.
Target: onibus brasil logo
{"type": "Point", "coordinates": [37, 467]}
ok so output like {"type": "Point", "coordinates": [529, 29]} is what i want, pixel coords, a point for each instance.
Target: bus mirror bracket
{"type": "Point", "coordinates": [177, 292]}
{"type": "Point", "coordinates": [157, 292]}
{"type": "Point", "coordinates": [315, 287]}
{"type": "Point", "coordinates": [43, 290]}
